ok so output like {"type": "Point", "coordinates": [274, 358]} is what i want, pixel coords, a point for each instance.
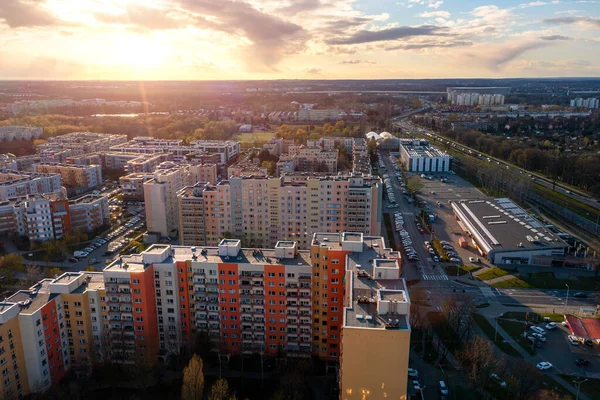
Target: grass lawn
{"type": "Point", "coordinates": [547, 280]}
{"type": "Point", "coordinates": [253, 137]}
{"type": "Point", "coordinates": [491, 274]}
{"type": "Point", "coordinates": [452, 270]}
{"type": "Point", "coordinates": [490, 331]}
{"type": "Point", "coordinates": [515, 330]}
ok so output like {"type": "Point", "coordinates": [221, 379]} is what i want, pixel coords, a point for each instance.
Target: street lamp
{"type": "Point", "coordinates": [567, 300]}
{"type": "Point", "coordinates": [578, 384]}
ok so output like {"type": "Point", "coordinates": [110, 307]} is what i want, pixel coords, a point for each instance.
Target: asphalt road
{"type": "Point", "coordinates": [425, 267]}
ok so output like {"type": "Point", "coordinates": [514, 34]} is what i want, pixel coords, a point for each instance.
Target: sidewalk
{"type": "Point", "coordinates": [499, 279]}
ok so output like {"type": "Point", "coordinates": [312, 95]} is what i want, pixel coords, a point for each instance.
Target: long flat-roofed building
{"type": "Point", "coordinates": [19, 184]}
{"type": "Point", "coordinates": [73, 176]}
{"type": "Point", "coordinates": [79, 143]}
{"type": "Point", "coordinates": [420, 156]}
{"type": "Point", "coordinates": [505, 233]}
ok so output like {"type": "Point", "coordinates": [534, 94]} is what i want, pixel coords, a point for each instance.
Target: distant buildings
{"type": "Point", "coordinates": [45, 106]}
{"type": "Point", "coordinates": [420, 156]}
{"type": "Point", "coordinates": [474, 99]}
{"type": "Point", "coordinates": [79, 143]}
{"type": "Point", "coordinates": [8, 133]}
{"type": "Point", "coordinates": [328, 114]}
{"type": "Point", "coordinates": [591, 103]}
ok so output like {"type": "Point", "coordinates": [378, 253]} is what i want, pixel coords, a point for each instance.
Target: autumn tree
{"type": "Point", "coordinates": [479, 361]}
{"type": "Point", "coordinates": [193, 380]}
{"type": "Point", "coordinates": [522, 377]}
{"type": "Point", "coordinates": [414, 184]}
{"type": "Point", "coordinates": [220, 391]}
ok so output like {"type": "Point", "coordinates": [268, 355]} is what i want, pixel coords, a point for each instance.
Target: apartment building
{"type": "Point", "coordinates": [12, 357]}
{"type": "Point", "coordinates": [85, 159]}
{"type": "Point", "coordinates": [74, 176]}
{"type": "Point", "coordinates": [247, 167]}
{"type": "Point", "coordinates": [308, 159]}
{"type": "Point", "coordinates": [329, 301]}
{"type": "Point", "coordinates": [19, 184]}
{"type": "Point", "coordinates": [262, 211]}
{"type": "Point", "coordinates": [22, 163]}
{"type": "Point", "coordinates": [89, 213]}
{"type": "Point", "coordinates": [329, 114]}
{"type": "Point", "coordinates": [203, 173]}
{"type": "Point", "coordinates": [79, 143]}
{"type": "Point", "coordinates": [227, 150]}
{"type": "Point", "coordinates": [132, 185]}
{"type": "Point", "coordinates": [375, 316]}
{"type": "Point", "coordinates": [160, 197]}
{"type": "Point", "coordinates": [13, 132]}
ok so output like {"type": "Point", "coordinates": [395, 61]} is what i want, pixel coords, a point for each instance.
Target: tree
{"type": "Point", "coordinates": [32, 275]}
{"type": "Point", "coordinates": [522, 377]}
{"type": "Point", "coordinates": [12, 262]}
{"type": "Point", "coordinates": [220, 391]}
{"type": "Point", "coordinates": [414, 184]}
{"type": "Point", "coordinates": [479, 361]}
{"type": "Point", "coordinates": [193, 380]}
{"type": "Point", "coordinates": [54, 272]}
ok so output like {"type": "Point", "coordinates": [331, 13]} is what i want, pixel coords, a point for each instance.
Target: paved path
{"type": "Point", "coordinates": [535, 358]}
{"type": "Point", "coordinates": [499, 279]}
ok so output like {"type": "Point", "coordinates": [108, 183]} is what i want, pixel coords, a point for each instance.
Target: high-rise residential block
{"type": "Point", "coordinates": [160, 196]}
{"type": "Point", "coordinates": [261, 211]}
{"type": "Point", "coordinates": [73, 176]}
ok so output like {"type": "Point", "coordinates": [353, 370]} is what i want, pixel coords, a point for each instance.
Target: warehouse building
{"type": "Point", "coordinates": [505, 234]}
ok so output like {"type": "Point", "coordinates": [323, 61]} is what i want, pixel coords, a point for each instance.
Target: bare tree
{"type": "Point", "coordinates": [32, 275]}
{"type": "Point", "coordinates": [479, 361]}
{"type": "Point", "coordinates": [193, 380]}
{"type": "Point", "coordinates": [522, 378]}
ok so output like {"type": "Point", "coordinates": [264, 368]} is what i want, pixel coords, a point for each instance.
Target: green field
{"type": "Point", "coordinates": [547, 280]}
{"type": "Point", "coordinates": [253, 137]}
{"type": "Point", "coordinates": [491, 274]}
{"type": "Point", "coordinates": [490, 332]}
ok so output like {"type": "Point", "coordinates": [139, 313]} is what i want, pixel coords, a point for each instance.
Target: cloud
{"type": "Point", "coordinates": [435, 14]}
{"type": "Point", "coordinates": [23, 13]}
{"type": "Point", "coordinates": [556, 37]}
{"type": "Point", "coordinates": [300, 6]}
{"type": "Point", "coordinates": [588, 21]}
{"type": "Point", "coordinates": [357, 62]}
{"type": "Point", "coordinates": [429, 45]}
{"type": "Point", "coordinates": [435, 4]}
{"type": "Point", "coordinates": [386, 34]}
{"type": "Point", "coordinates": [150, 18]}
{"type": "Point", "coordinates": [313, 71]}
{"type": "Point", "coordinates": [503, 56]}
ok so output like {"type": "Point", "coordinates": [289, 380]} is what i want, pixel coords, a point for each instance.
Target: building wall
{"type": "Point", "coordinates": [373, 364]}
{"type": "Point", "coordinates": [12, 361]}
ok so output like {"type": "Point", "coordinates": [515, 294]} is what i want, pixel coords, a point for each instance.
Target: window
{"type": "Point", "coordinates": [136, 281]}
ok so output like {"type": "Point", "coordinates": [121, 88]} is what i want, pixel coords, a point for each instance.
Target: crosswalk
{"type": "Point", "coordinates": [435, 277]}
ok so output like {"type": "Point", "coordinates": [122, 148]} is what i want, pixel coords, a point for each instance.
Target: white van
{"type": "Point", "coordinates": [443, 388]}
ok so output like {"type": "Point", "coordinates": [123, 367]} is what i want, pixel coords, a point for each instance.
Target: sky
{"type": "Point", "coordinates": [297, 39]}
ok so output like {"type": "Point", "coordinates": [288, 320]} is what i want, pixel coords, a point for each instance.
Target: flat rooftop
{"type": "Point", "coordinates": [352, 237]}
{"type": "Point", "coordinates": [363, 290]}
{"type": "Point", "coordinates": [421, 148]}
{"type": "Point", "coordinates": [67, 277]}
{"type": "Point", "coordinates": [31, 302]}
{"type": "Point", "coordinates": [504, 225]}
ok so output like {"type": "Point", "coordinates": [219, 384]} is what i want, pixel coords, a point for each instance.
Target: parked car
{"type": "Point", "coordinates": [498, 380]}
{"type": "Point", "coordinates": [580, 295]}
{"type": "Point", "coordinates": [540, 337]}
{"type": "Point", "coordinates": [413, 373]}
{"type": "Point", "coordinates": [573, 340]}
{"type": "Point", "coordinates": [472, 259]}
{"type": "Point", "coordinates": [443, 388]}
{"type": "Point", "coordinates": [544, 365]}
{"type": "Point", "coordinates": [537, 329]}
{"type": "Point", "coordinates": [550, 325]}
{"type": "Point", "coordinates": [580, 362]}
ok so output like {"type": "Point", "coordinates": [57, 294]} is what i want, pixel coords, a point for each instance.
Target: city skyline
{"type": "Point", "coordinates": [308, 39]}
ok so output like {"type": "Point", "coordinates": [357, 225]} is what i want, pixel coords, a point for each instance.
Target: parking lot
{"type": "Point", "coordinates": [562, 354]}
{"type": "Point", "coordinates": [437, 194]}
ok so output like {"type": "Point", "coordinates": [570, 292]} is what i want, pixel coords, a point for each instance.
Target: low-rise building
{"type": "Point", "coordinates": [308, 159]}
{"type": "Point", "coordinates": [79, 143]}
{"type": "Point", "coordinates": [420, 156]}
{"type": "Point", "coordinates": [506, 234]}
{"type": "Point", "coordinates": [13, 132]}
